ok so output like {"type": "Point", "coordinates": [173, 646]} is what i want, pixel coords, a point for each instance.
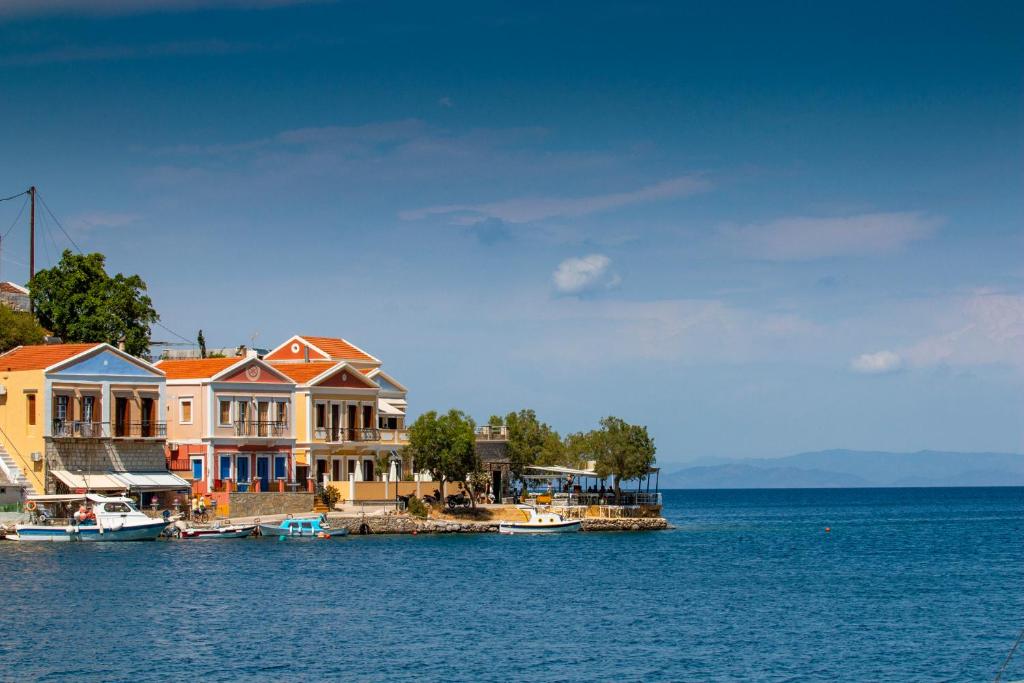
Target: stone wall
{"type": "Point", "coordinates": [102, 455]}
{"type": "Point", "coordinates": [403, 524]}
{"type": "Point", "coordinates": [492, 451]}
{"type": "Point", "coordinates": [269, 503]}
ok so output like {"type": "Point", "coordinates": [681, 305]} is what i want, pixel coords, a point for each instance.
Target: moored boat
{"type": "Point", "coordinates": [540, 523]}
{"type": "Point", "coordinates": [218, 532]}
{"type": "Point", "coordinates": [100, 518]}
{"type": "Point", "coordinates": [317, 527]}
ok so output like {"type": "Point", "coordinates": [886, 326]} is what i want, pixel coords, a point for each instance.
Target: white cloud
{"type": "Point", "coordinates": [804, 238]}
{"type": "Point", "coordinates": [578, 275]}
{"type": "Point", "coordinates": [103, 219]}
{"type": "Point", "coordinates": [981, 328]}
{"type": "Point", "coordinates": [530, 209]}
{"type": "Point", "coordinates": [878, 363]}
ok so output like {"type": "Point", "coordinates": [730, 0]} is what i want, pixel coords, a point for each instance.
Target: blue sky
{"type": "Point", "coordinates": [757, 229]}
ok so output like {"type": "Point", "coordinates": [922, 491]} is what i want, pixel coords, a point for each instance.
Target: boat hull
{"type": "Point", "coordinates": [552, 528]}
{"type": "Point", "coordinates": [217, 534]}
{"type": "Point", "coordinates": [276, 531]}
{"type": "Point", "coordinates": [63, 534]}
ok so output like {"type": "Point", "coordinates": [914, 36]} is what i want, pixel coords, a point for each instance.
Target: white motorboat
{"type": "Point", "coordinates": [100, 518]}
{"type": "Point", "coordinates": [540, 523]}
{"type": "Point", "coordinates": [217, 532]}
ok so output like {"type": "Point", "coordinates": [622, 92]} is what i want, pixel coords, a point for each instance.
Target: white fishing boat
{"type": "Point", "coordinates": [99, 518]}
{"type": "Point", "coordinates": [217, 532]}
{"type": "Point", "coordinates": [540, 523]}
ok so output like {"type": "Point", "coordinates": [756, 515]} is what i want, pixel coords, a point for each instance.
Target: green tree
{"type": "Point", "coordinates": [622, 450]}
{"type": "Point", "coordinates": [444, 445]}
{"type": "Point", "coordinates": [201, 340]}
{"type": "Point", "coordinates": [79, 302]}
{"type": "Point", "coordinates": [18, 328]}
{"type": "Point", "coordinates": [531, 442]}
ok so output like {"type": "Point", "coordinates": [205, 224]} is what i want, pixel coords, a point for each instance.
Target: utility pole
{"type": "Point", "coordinates": [31, 242]}
{"type": "Point", "coordinates": [32, 233]}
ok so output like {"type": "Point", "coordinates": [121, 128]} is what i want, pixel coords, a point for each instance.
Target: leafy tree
{"type": "Point", "coordinates": [80, 302]}
{"type": "Point", "coordinates": [201, 340]}
{"type": "Point", "coordinates": [18, 328]}
{"type": "Point", "coordinates": [444, 445]}
{"type": "Point", "coordinates": [531, 442]}
{"type": "Point", "coordinates": [622, 450]}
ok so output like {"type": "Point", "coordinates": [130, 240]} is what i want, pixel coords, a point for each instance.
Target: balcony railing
{"type": "Point", "coordinates": [362, 434]}
{"type": "Point", "coordinates": [140, 430]}
{"type": "Point", "coordinates": [265, 428]}
{"type": "Point", "coordinates": [492, 433]}
{"type": "Point", "coordinates": [328, 434]}
{"type": "Point", "coordinates": [397, 436]}
{"type": "Point", "coordinates": [79, 429]}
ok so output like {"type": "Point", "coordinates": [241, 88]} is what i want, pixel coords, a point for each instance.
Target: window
{"type": "Point", "coordinates": [242, 411]}
{"type": "Point", "coordinates": [88, 408]}
{"type": "Point", "coordinates": [185, 411]}
{"type": "Point", "coordinates": [321, 415]}
{"type": "Point", "coordinates": [31, 408]}
{"type": "Point", "coordinates": [60, 408]}
{"type": "Point", "coordinates": [197, 469]}
{"type": "Point", "coordinates": [224, 416]}
{"type": "Point", "coordinates": [280, 467]}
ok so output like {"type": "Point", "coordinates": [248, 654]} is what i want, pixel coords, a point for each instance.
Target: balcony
{"type": "Point", "coordinates": [362, 434]}
{"type": "Point", "coordinates": [492, 433]}
{"type": "Point", "coordinates": [78, 429]}
{"type": "Point", "coordinates": [328, 434]}
{"type": "Point", "coordinates": [140, 430]}
{"type": "Point", "coordinates": [394, 436]}
{"type": "Point", "coordinates": [261, 428]}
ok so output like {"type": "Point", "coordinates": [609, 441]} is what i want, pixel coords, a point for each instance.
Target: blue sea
{"type": "Point", "coordinates": [909, 585]}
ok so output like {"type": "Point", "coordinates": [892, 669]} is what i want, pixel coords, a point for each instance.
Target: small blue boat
{"type": "Point", "coordinates": [316, 527]}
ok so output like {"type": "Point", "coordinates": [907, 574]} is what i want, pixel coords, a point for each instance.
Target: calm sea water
{"type": "Point", "coordinates": [912, 584]}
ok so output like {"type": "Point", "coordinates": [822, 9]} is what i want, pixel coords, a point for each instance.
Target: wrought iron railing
{"type": "Point", "coordinates": [328, 434]}
{"type": "Point", "coordinates": [492, 433]}
{"type": "Point", "coordinates": [362, 434]}
{"type": "Point", "coordinates": [261, 428]}
{"type": "Point", "coordinates": [140, 430]}
{"type": "Point", "coordinates": [80, 429]}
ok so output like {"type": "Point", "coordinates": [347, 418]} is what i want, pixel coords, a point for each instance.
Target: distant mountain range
{"type": "Point", "coordinates": [845, 469]}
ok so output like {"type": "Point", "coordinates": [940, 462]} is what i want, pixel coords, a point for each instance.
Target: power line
{"type": "Point", "coordinates": [189, 341]}
{"type": "Point", "coordinates": [14, 196]}
{"type": "Point", "coordinates": [18, 217]}
{"type": "Point", "coordinates": [43, 202]}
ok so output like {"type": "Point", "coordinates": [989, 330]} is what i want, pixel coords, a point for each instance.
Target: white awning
{"type": "Point", "coordinates": [388, 408]}
{"type": "Point", "coordinates": [152, 481]}
{"type": "Point", "coordinates": [93, 481]}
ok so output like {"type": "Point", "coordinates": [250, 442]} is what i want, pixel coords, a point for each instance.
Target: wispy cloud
{"type": "Point", "coordinates": [877, 363]}
{"type": "Point", "coordinates": [804, 238]}
{"type": "Point", "coordinates": [530, 209]}
{"type": "Point", "coordinates": [100, 53]}
{"type": "Point", "coordinates": [29, 8]}
{"type": "Point", "coordinates": [584, 274]}
{"type": "Point", "coordinates": [103, 219]}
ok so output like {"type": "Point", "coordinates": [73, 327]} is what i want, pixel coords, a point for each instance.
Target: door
{"type": "Point", "coordinates": [496, 485]}
{"type": "Point", "coordinates": [321, 470]}
{"type": "Point", "coordinates": [242, 465]}
{"type": "Point", "coordinates": [335, 421]}
{"type": "Point", "coordinates": [121, 415]}
{"type": "Point", "coordinates": [146, 426]}
{"type": "Point", "coordinates": [263, 417]}
{"type": "Point", "coordinates": [368, 470]}
{"type": "Point", "coordinates": [263, 471]}
{"type": "Point", "coordinates": [352, 414]}
{"type": "Point", "coordinates": [336, 470]}
{"type": "Point", "coordinates": [197, 469]}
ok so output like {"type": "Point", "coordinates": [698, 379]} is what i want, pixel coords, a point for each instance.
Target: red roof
{"type": "Point", "coordinates": [302, 373]}
{"type": "Point", "coordinates": [11, 288]}
{"type": "Point", "coordinates": [196, 368]}
{"type": "Point", "coordinates": [40, 356]}
{"type": "Point", "coordinates": [339, 349]}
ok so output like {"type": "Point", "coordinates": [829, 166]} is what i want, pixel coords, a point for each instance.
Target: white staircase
{"type": "Point", "coordinates": [12, 471]}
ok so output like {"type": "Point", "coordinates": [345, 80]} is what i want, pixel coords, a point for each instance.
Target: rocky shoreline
{"type": "Point", "coordinates": [398, 524]}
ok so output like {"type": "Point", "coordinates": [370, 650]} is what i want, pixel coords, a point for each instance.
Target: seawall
{"type": "Point", "coordinates": [395, 524]}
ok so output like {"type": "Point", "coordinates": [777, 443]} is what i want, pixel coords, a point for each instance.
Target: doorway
{"type": "Point", "coordinates": [121, 416]}
{"type": "Point", "coordinates": [336, 470]}
{"type": "Point", "coordinates": [263, 471]}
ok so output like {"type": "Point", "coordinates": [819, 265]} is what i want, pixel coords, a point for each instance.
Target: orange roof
{"type": "Point", "coordinates": [367, 371]}
{"type": "Point", "coordinates": [196, 368]}
{"type": "Point", "coordinates": [11, 288]}
{"type": "Point", "coordinates": [339, 349]}
{"type": "Point", "coordinates": [40, 356]}
{"type": "Point", "coordinates": [302, 373]}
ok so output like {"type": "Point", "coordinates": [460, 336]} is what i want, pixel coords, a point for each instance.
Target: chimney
{"type": "Point", "coordinates": [252, 353]}
{"type": "Point", "coordinates": [305, 353]}
{"type": "Point", "coordinates": [120, 345]}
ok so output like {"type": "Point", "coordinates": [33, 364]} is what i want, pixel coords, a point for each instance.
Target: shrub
{"type": "Point", "coordinates": [330, 496]}
{"type": "Point", "coordinates": [416, 507]}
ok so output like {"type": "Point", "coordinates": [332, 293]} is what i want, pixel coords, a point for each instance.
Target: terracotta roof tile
{"type": "Point", "coordinates": [302, 373]}
{"type": "Point", "coordinates": [40, 356]}
{"type": "Point", "coordinates": [11, 288]}
{"type": "Point", "coordinates": [196, 368]}
{"type": "Point", "coordinates": [339, 349]}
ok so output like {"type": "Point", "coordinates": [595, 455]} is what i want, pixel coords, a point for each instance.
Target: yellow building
{"type": "Point", "coordinates": [348, 411]}
{"type": "Point", "coordinates": [82, 416]}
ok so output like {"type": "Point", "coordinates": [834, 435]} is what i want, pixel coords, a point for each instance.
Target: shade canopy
{"type": "Point", "coordinates": [388, 408]}
{"type": "Point", "coordinates": [94, 481]}
{"type": "Point", "coordinates": [152, 481]}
